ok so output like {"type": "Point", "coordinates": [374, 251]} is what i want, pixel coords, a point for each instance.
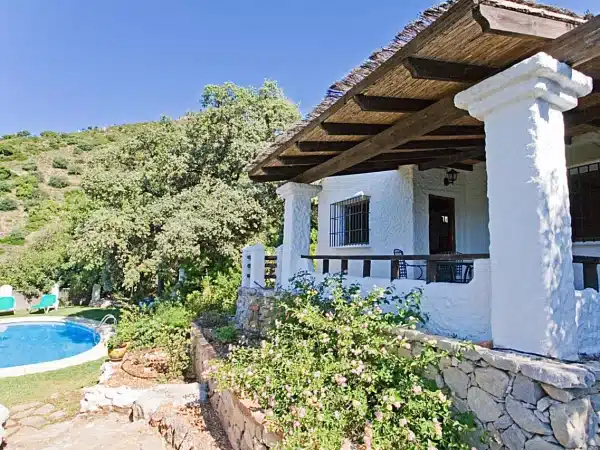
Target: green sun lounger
{"type": "Point", "coordinates": [47, 302]}
{"type": "Point", "coordinates": [7, 304]}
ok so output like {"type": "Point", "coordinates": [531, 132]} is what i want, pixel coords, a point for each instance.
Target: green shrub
{"type": "Point", "coordinates": [58, 182]}
{"type": "Point", "coordinates": [39, 213]}
{"type": "Point", "coordinates": [5, 186]}
{"type": "Point", "coordinates": [16, 237]}
{"type": "Point", "coordinates": [60, 162]}
{"type": "Point", "coordinates": [49, 134]}
{"type": "Point", "coordinates": [30, 166]}
{"type": "Point", "coordinates": [5, 173]}
{"type": "Point", "coordinates": [27, 187]}
{"type": "Point", "coordinates": [74, 170]}
{"type": "Point", "coordinates": [85, 147]}
{"type": "Point", "coordinates": [330, 371]}
{"type": "Point", "coordinates": [165, 326]}
{"type": "Point", "coordinates": [8, 204]}
{"type": "Point", "coordinates": [226, 334]}
{"type": "Point", "coordinates": [218, 293]}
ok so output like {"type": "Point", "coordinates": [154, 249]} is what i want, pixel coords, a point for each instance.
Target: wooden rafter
{"type": "Point", "coordinates": [391, 104]}
{"type": "Point", "coordinates": [451, 159]}
{"type": "Point", "coordinates": [400, 158]}
{"type": "Point", "coordinates": [461, 166]}
{"type": "Point", "coordinates": [422, 144]}
{"type": "Point", "coordinates": [514, 23]}
{"type": "Point", "coordinates": [371, 129]}
{"type": "Point", "coordinates": [434, 69]}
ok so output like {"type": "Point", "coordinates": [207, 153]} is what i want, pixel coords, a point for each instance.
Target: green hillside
{"type": "Point", "coordinates": [37, 172]}
{"type": "Point", "coordinates": [128, 206]}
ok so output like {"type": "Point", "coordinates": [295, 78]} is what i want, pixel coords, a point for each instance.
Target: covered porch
{"type": "Point", "coordinates": [477, 137]}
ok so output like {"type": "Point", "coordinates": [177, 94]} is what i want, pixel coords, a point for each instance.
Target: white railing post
{"type": "Point", "coordinates": [257, 266]}
{"type": "Point", "coordinates": [246, 264]}
{"type": "Point", "coordinates": [279, 255]}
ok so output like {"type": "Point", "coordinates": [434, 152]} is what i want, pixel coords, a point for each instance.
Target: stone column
{"type": "Point", "coordinates": [257, 266]}
{"type": "Point", "coordinates": [532, 294]}
{"type": "Point", "coordinates": [296, 228]}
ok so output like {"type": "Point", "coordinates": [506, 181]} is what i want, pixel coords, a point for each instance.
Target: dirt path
{"type": "Point", "coordinates": [113, 431]}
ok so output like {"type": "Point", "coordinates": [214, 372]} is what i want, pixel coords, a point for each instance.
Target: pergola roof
{"type": "Point", "coordinates": [397, 108]}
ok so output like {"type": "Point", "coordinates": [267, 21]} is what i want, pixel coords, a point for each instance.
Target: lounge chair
{"type": "Point", "coordinates": [47, 302]}
{"type": "Point", "coordinates": [7, 301]}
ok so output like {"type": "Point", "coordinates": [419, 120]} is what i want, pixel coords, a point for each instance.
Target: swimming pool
{"type": "Point", "coordinates": [31, 345]}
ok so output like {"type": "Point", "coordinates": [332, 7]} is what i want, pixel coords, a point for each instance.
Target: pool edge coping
{"type": "Point", "coordinates": [99, 351]}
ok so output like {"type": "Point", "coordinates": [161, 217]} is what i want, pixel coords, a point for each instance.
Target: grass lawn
{"type": "Point", "coordinates": [74, 311]}
{"type": "Point", "coordinates": [59, 387]}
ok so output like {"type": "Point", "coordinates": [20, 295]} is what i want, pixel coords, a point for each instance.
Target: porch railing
{"type": "Point", "coordinates": [270, 271]}
{"type": "Point", "coordinates": [590, 270]}
{"type": "Point", "coordinates": [432, 263]}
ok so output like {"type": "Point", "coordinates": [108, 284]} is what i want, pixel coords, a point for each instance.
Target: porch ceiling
{"type": "Point", "coordinates": [398, 108]}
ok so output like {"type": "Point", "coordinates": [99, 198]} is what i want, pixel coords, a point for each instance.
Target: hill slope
{"type": "Point", "coordinates": [37, 173]}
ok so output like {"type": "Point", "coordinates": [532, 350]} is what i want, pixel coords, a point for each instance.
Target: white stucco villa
{"type": "Point", "coordinates": [462, 159]}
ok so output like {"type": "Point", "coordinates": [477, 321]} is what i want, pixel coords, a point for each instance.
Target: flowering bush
{"type": "Point", "coordinates": [330, 374]}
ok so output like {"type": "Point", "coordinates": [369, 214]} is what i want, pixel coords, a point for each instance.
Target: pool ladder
{"type": "Point", "coordinates": [106, 319]}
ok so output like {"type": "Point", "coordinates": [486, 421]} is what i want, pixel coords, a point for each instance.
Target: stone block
{"type": "Point", "coordinates": [538, 443]}
{"type": "Point", "coordinates": [558, 394]}
{"type": "Point", "coordinates": [483, 405]}
{"type": "Point", "coordinates": [503, 422]}
{"type": "Point", "coordinates": [570, 422]}
{"type": "Point", "coordinates": [525, 418]}
{"type": "Point", "coordinates": [500, 360]}
{"type": "Point", "coordinates": [514, 438]}
{"type": "Point", "coordinates": [492, 380]}
{"type": "Point", "coordinates": [557, 374]}
{"type": "Point", "coordinates": [544, 403]}
{"type": "Point", "coordinates": [526, 390]}
{"type": "Point", "coordinates": [457, 381]}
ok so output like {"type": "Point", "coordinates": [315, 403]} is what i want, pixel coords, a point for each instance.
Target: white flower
{"type": "Point", "coordinates": [411, 436]}
{"type": "Point", "coordinates": [417, 389]}
{"type": "Point", "coordinates": [317, 374]}
{"type": "Point", "coordinates": [403, 422]}
{"type": "Point", "coordinates": [355, 403]}
{"type": "Point", "coordinates": [379, 416]}
{"type": "Point", "coordinates": [431, 447]}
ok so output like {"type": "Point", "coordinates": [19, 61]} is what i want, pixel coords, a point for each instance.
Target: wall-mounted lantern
{"type": "Point", "coordinates": [451, 176]}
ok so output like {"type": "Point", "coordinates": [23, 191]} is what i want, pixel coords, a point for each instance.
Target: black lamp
{"type": "Point", "coordinates": [451, 176]}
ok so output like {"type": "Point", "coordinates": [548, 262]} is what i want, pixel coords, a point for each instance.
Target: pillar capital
{"type": "Point", "coordinates": [538, 77]}
{"type": "Point", "coordinates": [300, 190]}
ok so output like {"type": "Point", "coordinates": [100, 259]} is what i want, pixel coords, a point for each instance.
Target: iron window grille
{"type": "Point", "coordinates": [584, 196]}
{"type": "Point", "coordinates": [349, 222]}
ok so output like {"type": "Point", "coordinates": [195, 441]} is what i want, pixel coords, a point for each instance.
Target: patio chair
{"type": "Point", "coordinates": [403, 272]}
{"type": "Point", "coordinates": [47, 302]}
{"type": "Point", "coordinates": [7, 301]}
{"type": "Point", "coordinates": [453, 272]}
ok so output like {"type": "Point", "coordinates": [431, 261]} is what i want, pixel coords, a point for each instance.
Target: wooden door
{"type": "Point", "coordinates": [441, 225]}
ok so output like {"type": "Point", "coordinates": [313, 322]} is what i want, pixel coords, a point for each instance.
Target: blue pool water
{"type": "Point", "coordinates": [36, 342]}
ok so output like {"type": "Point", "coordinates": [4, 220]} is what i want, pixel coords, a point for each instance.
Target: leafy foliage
{"type": "Point", "coordinates": [74, 169]}
{"type": "Point", "coordinates": [5, 173]}
{"type": "Point", "coordinates": [8, 204]}
{"type": "Point", "coordinates": [226, 334]}
{"type": "Point", "coordinates": [165, 326]}
{"type": "Point", "coordinates": [30, 166]}
{"type": "Point", "coordinates": [217, 293]}
{"type": "Point", "coordinates": [15, 237]}
{"type": "Point", "coordinates": [329, 372]}
{"type": "Point", "coordinates": [60, 162]}
{"type": "Point", "coordinates": [58, 182]}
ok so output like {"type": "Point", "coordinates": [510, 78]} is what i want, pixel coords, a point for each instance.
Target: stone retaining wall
{"type": "Point", "coordinates": [254, 309]}
{"type": "Point", "coordinates": [520, 402]}
{"type": "Point", "coordinates": [242, 420]}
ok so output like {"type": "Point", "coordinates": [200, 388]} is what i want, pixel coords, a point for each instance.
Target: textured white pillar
{"type": "Point", "coordinates": [532, 295]}
{"type": "Point", "coordinates": [296, 228]}
{"type": "Point", "coordinates": [257, 265]}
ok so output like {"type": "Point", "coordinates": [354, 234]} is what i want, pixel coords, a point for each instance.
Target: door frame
{"type": "Point", "coordinates": [451, 219]}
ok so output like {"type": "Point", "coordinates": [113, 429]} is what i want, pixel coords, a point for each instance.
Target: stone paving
{"type": "Point", "coordinates": [89, 432]}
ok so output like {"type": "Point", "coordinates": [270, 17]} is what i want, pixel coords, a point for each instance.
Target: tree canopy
{"type": "Point", "coordinates": [175, 193]}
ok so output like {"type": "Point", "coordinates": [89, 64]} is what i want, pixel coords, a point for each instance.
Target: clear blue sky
{"type": "Point", "coordinates": [68, 64]}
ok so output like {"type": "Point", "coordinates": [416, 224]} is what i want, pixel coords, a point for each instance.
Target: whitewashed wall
{"type": "Point", "coordinates": [459, 310]}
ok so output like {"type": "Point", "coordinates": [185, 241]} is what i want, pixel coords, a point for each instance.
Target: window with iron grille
{"type": "Point", "coordinates": [584, 195]}
{"type": "Point", "coordinates": [349, 222]}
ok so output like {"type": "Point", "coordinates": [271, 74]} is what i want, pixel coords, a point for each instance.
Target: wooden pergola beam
{"type": "Point", "coordinates": [400, 158]}
{"type": "Point", "coordinates": [415, 125]}
{"type": "Point", "coordinates": [576, 118]}
{"type": "Point", "coordinates": [578, 46]}
{"type": "Point", "coordinates": [514, 23]}
{"type": "Point", "coordinates": [434, 69]}
{"type": "Point", "coordinates": [391, 104]}
{"type": "Point", "coordinates": [371, 129]}
{"type": "Point", "coordinates": [461, 166]}
{"type": "Point", "coordinates": [421, 144]}
{"type": "Point", "coordinates": [451, 160]}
